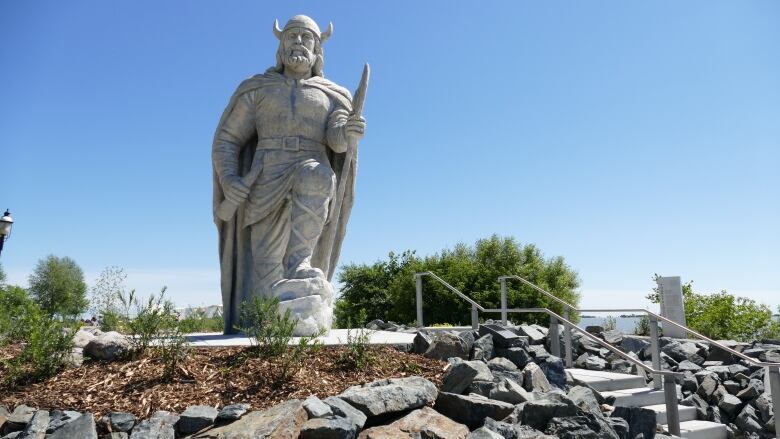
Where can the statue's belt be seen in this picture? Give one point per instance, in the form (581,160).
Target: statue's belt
(294,143)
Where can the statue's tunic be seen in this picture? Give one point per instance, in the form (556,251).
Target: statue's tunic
(297,127)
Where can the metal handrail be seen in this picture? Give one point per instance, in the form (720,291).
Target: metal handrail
(451,288)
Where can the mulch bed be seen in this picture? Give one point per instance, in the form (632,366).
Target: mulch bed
(209,376)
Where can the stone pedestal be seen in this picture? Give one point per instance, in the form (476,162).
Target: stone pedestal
(309,300)
(672,307)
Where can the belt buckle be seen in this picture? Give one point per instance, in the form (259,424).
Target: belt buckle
(291,144)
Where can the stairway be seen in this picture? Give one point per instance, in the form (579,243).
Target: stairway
(631,391)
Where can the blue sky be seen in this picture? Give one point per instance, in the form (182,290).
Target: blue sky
(629,137)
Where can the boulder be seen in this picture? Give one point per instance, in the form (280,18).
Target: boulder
(620,426)
(518,356)
(554,370)
(82,337)
(315,408)
(58,418)
(534,379)
(471,409)
(635,344)
(586,399)
(469,336)
(425,422)
(509,391)
(161,425)
(447,345)
(683,351)
(19,418)
(613,337)
(538,413)
(196,418)
(764,407)
(330,427)
(697,402)
(640,420)
(534,336)
(501,364)
(391,395)
(594,329)
(119,421)
(502,337)
(537,352)
(581,427)
(282,421)
(458,377)
(752,391)
(484,433)
(82,427)
(342,409)
(108,346)
(483,348)
(730,404)
(708,388)
(232,412)
(688,366)
(117,435)
(421,343)
(747,420)
(36,428)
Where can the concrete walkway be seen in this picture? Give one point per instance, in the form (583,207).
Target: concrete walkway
(335,337)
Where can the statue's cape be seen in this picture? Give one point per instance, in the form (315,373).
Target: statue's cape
(235,252)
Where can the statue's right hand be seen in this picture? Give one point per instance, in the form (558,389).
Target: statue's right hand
(235,189)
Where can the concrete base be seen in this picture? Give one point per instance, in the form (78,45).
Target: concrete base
(334,338)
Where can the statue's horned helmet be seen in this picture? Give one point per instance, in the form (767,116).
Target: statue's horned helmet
(304,22)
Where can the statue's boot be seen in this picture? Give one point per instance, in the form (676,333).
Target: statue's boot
(309,213)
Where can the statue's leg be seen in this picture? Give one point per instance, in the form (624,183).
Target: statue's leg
(269,241)
(312,191)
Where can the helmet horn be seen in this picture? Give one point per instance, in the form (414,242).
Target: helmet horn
(325,35)
(277,31)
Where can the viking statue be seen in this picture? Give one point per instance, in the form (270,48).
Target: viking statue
(284,157)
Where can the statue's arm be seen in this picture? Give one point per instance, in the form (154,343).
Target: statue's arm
(235,131)
(335,133)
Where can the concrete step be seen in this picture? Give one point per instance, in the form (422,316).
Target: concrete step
(702,430)
(686,413)
(636,397)
(607,381)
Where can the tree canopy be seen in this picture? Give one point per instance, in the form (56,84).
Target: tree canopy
(57,285)
(386,289)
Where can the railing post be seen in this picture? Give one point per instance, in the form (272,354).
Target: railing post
(503,300)
(474,317)
(567,337)
(418,281)
(655,349)
(774,388)
(555,340)
(672,410)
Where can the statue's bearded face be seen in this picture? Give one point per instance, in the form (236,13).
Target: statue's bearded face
(298,49)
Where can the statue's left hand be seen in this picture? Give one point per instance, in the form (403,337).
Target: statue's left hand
(355,128)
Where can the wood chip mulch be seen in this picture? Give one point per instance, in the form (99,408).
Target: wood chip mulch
(209,376)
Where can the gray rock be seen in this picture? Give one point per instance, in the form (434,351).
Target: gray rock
(196,418)
(503,338)
(108,346)
(161,425)
(713,414)
(82,337)
(509,391)
(730,404)
(82,427)
(690,383)
(708,387)
(688,366)
(483,348)
(232,412)
(345,410)
(283,420)
(635,344)
(471,410)
(501,364)
(421,343)
(732,387)
(593,362)
(683,351)
(620,426)
(482,387)
(747,420)
(423,423)
(460,375)
(538,413)
(502,429)
(534,336)
(36,428)
(581,427)
(447,345)
(331,427)
(753,389)
(117,435)
(484,433)
(613,337)
(554,370)
(534,379)
(585,398)
(537,352)
(469,336)
(518,356)
(119,421)
(640,420)
(19,418)
(594,329)
(764,407)
(697,402)
(316,408)
(58,418)
(390,395)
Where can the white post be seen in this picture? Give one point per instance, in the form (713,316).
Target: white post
(503,300)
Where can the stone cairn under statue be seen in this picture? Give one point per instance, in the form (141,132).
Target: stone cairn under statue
(284,156)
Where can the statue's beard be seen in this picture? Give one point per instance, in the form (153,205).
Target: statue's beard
(298,56)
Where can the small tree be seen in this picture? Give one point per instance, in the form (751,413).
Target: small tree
(57,285)
(109,285)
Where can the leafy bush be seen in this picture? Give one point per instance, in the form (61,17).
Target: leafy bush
(153,319)
(610,323)
(386,289)
(723,316)
(16,308)
(271,333)
(642,326)
(198,321)
(57,285)
(173,348)
(357,353)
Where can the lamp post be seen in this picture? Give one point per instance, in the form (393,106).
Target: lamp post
(6,222)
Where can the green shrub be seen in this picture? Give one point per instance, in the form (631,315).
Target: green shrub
(357,354)
(153,318)
(172,347)
(642,326)
(57,285)
(610,323)
(386,289)
(198,321)
(16,307)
